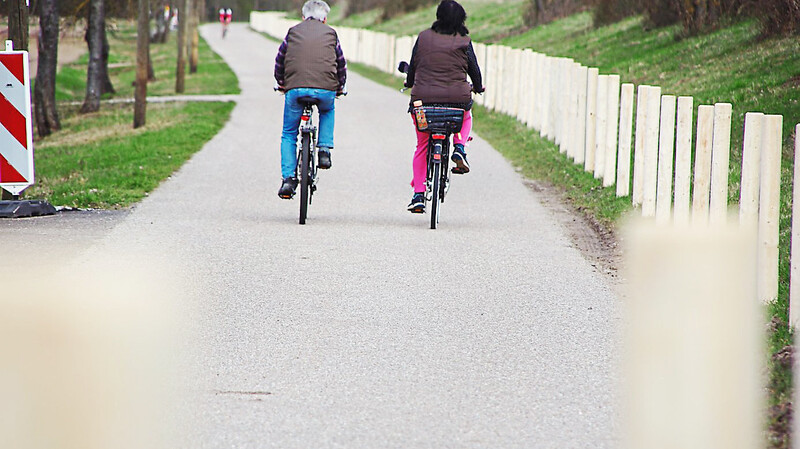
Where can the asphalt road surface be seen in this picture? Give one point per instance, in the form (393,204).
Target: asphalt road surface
(364,328)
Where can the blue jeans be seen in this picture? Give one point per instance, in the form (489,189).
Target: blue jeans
(292,110)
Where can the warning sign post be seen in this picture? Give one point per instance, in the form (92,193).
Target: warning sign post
(16,130)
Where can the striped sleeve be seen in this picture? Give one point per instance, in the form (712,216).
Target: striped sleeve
(280,67)
(341,66)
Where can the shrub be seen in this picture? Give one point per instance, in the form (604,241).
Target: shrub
(777,17)
(611,11)
(398,7)
(538,12)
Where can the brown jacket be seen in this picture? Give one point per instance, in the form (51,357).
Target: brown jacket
(440,68)
(311,56)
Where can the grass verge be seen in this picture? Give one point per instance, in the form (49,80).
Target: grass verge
(98,160)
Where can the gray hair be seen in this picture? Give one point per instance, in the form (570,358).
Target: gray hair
(316,9)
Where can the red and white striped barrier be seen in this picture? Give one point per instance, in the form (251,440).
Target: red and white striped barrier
(16,132)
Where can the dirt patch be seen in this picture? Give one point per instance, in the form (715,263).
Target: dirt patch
(792,82)
(597,243)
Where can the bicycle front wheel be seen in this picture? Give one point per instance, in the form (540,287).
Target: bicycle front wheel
(305,176)
(436,194)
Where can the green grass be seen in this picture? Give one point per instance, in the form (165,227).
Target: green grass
(213,76)
(486,19)
(98,160)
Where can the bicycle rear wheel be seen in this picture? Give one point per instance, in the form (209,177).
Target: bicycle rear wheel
(305,176)
(436,194)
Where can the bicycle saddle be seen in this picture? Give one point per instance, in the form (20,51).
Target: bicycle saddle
(304,100)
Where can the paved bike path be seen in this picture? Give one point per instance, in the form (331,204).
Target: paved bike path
(364,328)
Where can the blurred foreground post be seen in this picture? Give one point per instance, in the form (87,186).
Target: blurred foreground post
(694,340)
(91,365)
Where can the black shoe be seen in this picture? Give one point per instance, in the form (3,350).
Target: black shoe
(324,159)
(459,157)
(417,204)
(287,188)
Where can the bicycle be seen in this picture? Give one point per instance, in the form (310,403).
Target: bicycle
(306,170)
(440,123)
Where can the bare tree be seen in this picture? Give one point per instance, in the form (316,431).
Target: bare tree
(142,64)
(44,92)
(94,37)
(180,72)
(18,23)
(106,86)
(194,54)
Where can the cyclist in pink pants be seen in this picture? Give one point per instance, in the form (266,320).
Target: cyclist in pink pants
(420,164)
(442,59)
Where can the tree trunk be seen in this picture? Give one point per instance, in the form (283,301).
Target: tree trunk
(106,87)
(94,37)
(151,74)
(194,55)
(44,92)
(18,33)
(142,63)
(161,25)
(700,15)
(180,72)
(18,24)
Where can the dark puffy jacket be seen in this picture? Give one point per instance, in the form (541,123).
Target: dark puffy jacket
(439,67)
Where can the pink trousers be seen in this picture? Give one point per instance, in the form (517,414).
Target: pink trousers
(420,163)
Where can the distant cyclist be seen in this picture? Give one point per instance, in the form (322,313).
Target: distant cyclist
(310,63)
(225,17)
(440,62)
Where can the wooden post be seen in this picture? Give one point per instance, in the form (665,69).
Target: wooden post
(554,97)
(524,92)
(539,111)
(702,164)
(651,131)
(683,161)
(751,168)
(602,127)
(573,121)
(532,89)
(720,163)
(564,117)
(514,89)
(580,119)
(694,341)
(769,208)
(612,118)
(558,103)
(491,76)
(638,149)
(666,145)
(544,110)
(625,131)
(591,119)
(794,289)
